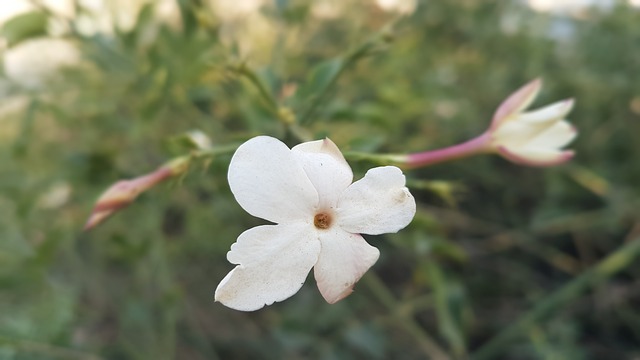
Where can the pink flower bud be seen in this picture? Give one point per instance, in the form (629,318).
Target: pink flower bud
(534,138)
(124,192)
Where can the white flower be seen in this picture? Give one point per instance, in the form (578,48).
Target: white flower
(33,62)
(534,137)
(404,7)
(318,214)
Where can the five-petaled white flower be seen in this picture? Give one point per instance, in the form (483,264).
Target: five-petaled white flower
(535,137)
(318,214)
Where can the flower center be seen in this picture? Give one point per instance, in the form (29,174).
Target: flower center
(322,220)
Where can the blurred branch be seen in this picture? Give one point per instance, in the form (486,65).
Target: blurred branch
(350,58)
(47,350)
(609,266)
(69,21)
(215,151)
(450,328)
(499,238)
(253,78)
(426,342)
(589,179)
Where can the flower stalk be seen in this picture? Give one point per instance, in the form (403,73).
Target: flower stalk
(475,146)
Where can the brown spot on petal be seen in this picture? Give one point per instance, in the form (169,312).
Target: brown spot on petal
(401,196)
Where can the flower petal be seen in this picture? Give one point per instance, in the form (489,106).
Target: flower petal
(536,156)
(344,258)
(555,137)
(269,183)
(555,111)
(517,134)
(327,169)
(273,262)
(376,204)
(517,101)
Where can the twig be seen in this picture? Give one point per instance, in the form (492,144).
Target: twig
(426,342)
(266,95)
(606,268)
(350,58)
(50,351)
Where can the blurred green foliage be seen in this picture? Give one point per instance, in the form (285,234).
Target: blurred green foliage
(490,242)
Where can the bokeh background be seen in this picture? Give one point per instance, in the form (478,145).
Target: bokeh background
(96,91)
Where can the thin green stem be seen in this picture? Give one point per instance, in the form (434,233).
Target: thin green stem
(169,318)
(348,59)
(253,78)
(214,151)
(426,342)
(606,268)
(379,159)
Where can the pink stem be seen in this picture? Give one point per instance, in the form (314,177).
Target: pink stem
(474,146)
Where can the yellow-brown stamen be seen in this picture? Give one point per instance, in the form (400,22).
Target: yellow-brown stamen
(322,221)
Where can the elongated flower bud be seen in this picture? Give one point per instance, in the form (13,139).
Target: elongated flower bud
(533,138)
(124,192)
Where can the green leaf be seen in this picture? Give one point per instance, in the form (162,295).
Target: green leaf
(24,26)
(320,78)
